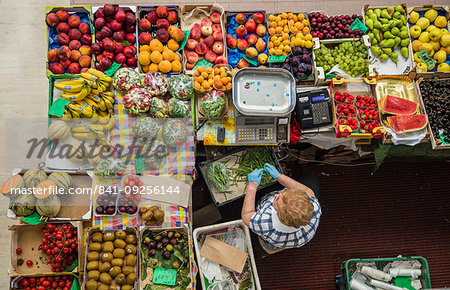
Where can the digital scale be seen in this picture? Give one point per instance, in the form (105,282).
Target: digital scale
(264,100)
(313,107)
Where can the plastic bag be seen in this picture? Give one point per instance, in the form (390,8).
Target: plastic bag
(126,79)
(136,101)
(178,109)
(181,87)
(145,129)
(158,108)
(174,133)
(156,83)
(236,238)
(217,176)
(155,155)
(213,104)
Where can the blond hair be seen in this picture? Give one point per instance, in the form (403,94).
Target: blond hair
(296,210)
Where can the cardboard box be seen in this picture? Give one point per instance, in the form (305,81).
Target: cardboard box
(15,281)
(83,9)
(191,14)
(28,238)
(142,229)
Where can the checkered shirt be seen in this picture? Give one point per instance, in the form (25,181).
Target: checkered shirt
(261,224)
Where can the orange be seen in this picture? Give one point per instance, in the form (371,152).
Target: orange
(153,67)
(156,45)
(165,66)
(144,58)
(200,69)
(223,75)
(299,25)
(210,81)
(168,55)
(145,48)
(278,29)
(305,29)
(176,66)
(156,57)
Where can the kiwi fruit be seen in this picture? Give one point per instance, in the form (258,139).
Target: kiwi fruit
(131,249)
(153,208)
(130,231)
(121,235)
(104,267)
(114,271)
(118,243)
(97,247)
(107,257)
(105,278)
(131,239)
(130,260)
(117,262)
(93,275)
(119,253)
(97,237)
(108,247)
(91,285)
(120,279)
(93,265)
(131,278)
(103,287)
(127,270)
(126,287)
(93,256)
(109,236)
(146,216)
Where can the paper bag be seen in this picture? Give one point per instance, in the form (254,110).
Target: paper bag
(224,254)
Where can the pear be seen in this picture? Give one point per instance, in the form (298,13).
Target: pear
(384,20)
(384,57)
(373,17)
(377,24)
(405,52)
(374,41)
(397,41)
(404,34)
(403,19)
(376,33)
(382,42)
(389,43)
(388,35)
(375,50)
(404,28)
(390,10)
(399,8)
(398,23)
(369,23)
(404,42)
(394,57)
(369,12)
(395,31)
(377,12)
(387,50)
(385,14)
(397,15)
(391,24)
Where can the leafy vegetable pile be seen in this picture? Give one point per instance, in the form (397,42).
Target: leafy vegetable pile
(217,176)
(110,166)
(213,104)
(178,109)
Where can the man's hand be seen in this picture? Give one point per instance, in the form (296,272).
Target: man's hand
(271,170)
(255,176)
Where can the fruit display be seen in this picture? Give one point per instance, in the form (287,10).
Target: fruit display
(126,79)
(205,41)
(60,244)
(111,259)
(407,123)
(169,249)
(156,84)
(299,64)
(158,108)
(115,37)
(181,87)
(105,203)
(178,108)
(174,133)
(203,79)
(247,39)
(348,56)
(44,282)
(213,104)
(69,41)
(429,31)
(436,99)
(89,95)
(388,33)
(137,101)
(159,39)
(397,106)
(333,27)
(280,44)
(151,216)
(288,22)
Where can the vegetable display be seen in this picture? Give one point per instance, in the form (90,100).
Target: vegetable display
(213,104)
(158,108)
(178,109)
(174,133)
(181,87)
(145,129)
(156,83)
(126,79)
(137,101)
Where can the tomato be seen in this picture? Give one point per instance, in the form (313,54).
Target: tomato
(29,263)
(41,288)
(61,284)
(54,285)
(46,283)
(69,235)
(24,283)
(32,280)
(68,283)
(66,243)
(19,251)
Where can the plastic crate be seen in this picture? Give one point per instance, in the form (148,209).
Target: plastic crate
(348,268)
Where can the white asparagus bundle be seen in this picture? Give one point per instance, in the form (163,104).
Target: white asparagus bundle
(358,285)
(414,273)
(384,285)
(376,274)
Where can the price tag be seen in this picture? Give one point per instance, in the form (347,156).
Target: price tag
(251,61)
(112,69)
(33,219)
(426,58)
(73,266)
(164,276)
(58,107)
(358,25)
(139,165)
(185,39)
(277,58)
(203,63)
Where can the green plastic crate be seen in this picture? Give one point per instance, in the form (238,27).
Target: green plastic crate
(348,268)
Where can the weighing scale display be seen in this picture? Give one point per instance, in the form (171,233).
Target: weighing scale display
(318,98)
(258,121)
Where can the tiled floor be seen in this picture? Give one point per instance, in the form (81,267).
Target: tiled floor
(25,86)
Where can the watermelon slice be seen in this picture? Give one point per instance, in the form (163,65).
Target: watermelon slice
(398,106)
(407,123)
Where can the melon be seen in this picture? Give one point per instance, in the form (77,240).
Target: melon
(76,152)
(397,106)
(61,179)
(23,205)
(33,177)
(407,123)
(15,181)
(44,189)
(58,131)
(48,207)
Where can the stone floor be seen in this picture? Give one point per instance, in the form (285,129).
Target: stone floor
(25,86)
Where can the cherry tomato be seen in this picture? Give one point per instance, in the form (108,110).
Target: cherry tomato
(32,280)
(29,263)
(19,251)
(54,285)
(41,288)
(24,283)
(61,284)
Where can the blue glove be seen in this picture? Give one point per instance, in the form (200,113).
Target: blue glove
(255,176)
(271,170)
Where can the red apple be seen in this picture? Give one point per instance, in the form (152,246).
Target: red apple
(210,56)
(240,18)
(218,47)
(130,38)
(215,17)
(191,44)
(221,60)
(206,22)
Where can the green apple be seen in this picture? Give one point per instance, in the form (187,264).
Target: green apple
(440,56)
(415,31)
(440,22)
(435,34)
(423,23)
(443,67)
(422,66)
(424,37)
(413,17)
(431,15)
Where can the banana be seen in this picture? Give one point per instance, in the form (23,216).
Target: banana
(101,86)
(74,113)
(108,104)
(94,86)
(110,124)
(88,136)
(109,94)
(91,103)
(103,116)
(79,96)
(96,91)
(108,97)
(70,88)
(94,98)
(87,129)
(102,105)
(108,79)
(101,75)
(75,108)
(89,76)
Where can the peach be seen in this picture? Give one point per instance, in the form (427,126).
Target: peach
(129,18)
(132,62)
(191,57)
(145,38)
(56,68)
(252,38)
(156,45)
(210,56)
(120,16)
(129,51)
(99,23)
(261,30)
(115,25)
(86,39)
(162,11)
(131,38)
(106,31)
(74,34)
(75,55)
(195,33)
(173,45)
(152,17)
(190,66)
(171,29)
(242,44)
(52,55)
(178,35)
(241,31)
(62,15)
(240,18)
(172,17)
(162,35)
(85,50)
(221,60)
(65,63)
(191,44)
(84,28)
(201,48)
(258,17)
(120,58)
(250,25)
(119,36)
(108,9)
(63,28)
(144,24)
(52,19)
(74,68)
(109,46)
(62,39)
(105,62)
(64,52)
(74,21)
(162,23)
(209,40)
(231,41)
(85,61)
(218,47)
(165,66)
(74,45)
(215,17)
(119,48)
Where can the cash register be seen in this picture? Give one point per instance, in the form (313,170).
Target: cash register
(313,107)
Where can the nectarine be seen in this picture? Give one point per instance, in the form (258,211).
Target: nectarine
(74,21)
(74,68)
(56,68)
(64,52)
(52,55)
(62,15)
(84,27)
(85,50)
(74,45)
(52,19)
(75,55)
(85,61)
(63,27)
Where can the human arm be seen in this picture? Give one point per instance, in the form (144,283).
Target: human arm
(248,208)
(286,181)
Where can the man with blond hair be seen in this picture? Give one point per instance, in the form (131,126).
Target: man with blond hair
(284,219)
